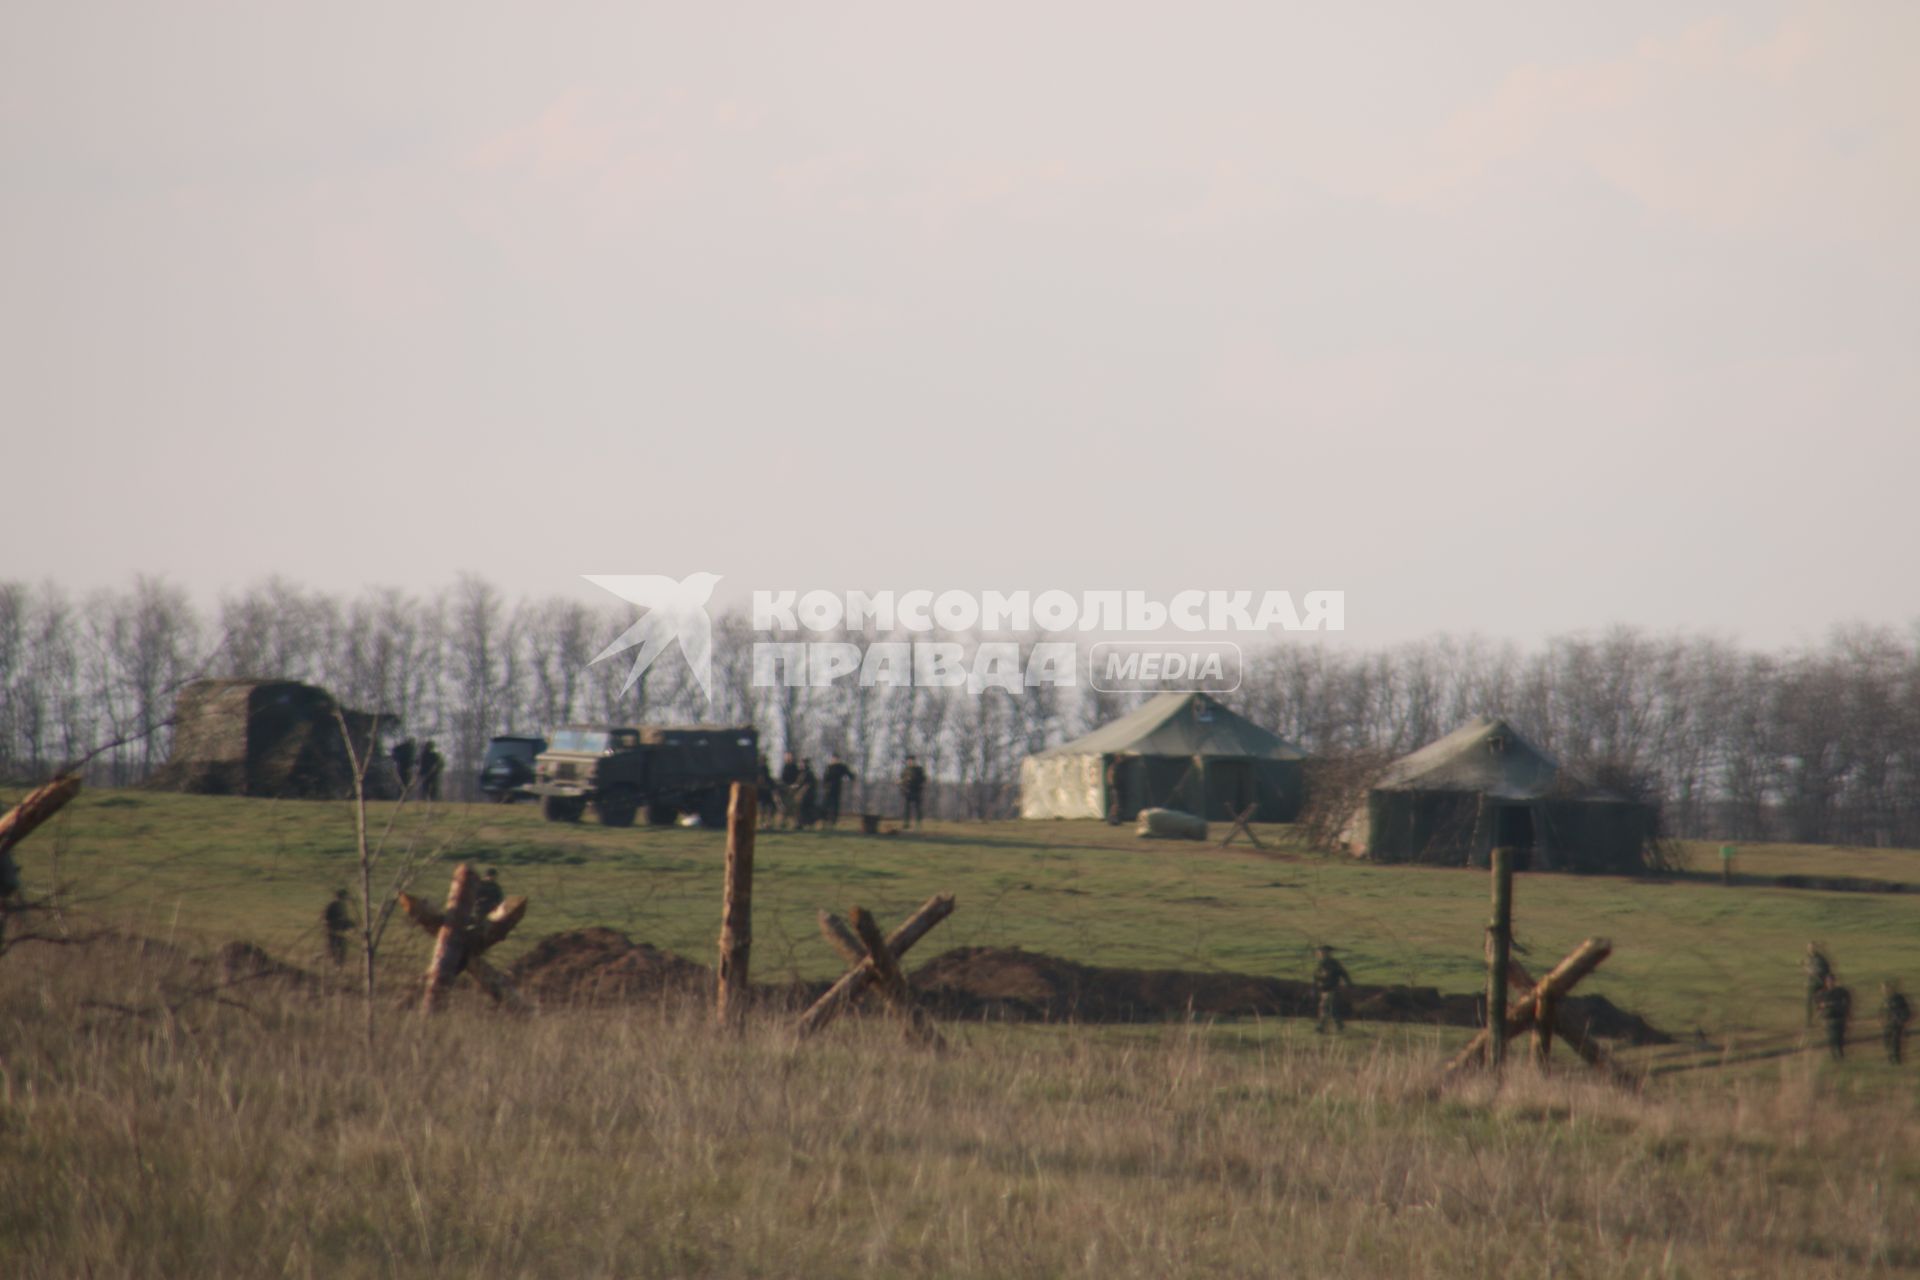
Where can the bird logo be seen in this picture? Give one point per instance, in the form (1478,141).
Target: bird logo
(674,611)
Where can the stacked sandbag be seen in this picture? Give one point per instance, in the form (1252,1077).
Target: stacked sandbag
(1170,824)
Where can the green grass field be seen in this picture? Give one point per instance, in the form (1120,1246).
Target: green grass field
(1688,954)
(155,1123)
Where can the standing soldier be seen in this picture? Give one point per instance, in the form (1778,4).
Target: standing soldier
(403,762)
(337,920)
(763,795)
(488,894)
(1330,980)
(1836,1005)
(809,789)
(1818,969)
(1116,791)
(789,794)
(430,766)
(1895,1014)
(913,787)
(836,777)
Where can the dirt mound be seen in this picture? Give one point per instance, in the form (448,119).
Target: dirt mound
(1602,1017)
(239,962)
(1026,986)
(1415,1004)
(1009,983)
(602,966)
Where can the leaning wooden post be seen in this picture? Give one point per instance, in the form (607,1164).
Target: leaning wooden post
(736,904)
(1580,962)
(474,942)
(1567,1028)
(893,983)
(40,804)
(450,945)
(1545,1017)
(857,979)
(1499,944)
(842,939)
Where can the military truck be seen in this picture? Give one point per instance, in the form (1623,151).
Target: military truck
(660,770)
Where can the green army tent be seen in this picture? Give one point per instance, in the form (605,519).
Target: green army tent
(1181,751)
(1484,785)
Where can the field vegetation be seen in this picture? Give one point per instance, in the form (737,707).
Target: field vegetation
(157,1119)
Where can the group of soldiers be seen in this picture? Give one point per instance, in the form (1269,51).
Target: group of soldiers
(1826,998)
(424,763)
(799,799)
(337,920)
(1833,1003)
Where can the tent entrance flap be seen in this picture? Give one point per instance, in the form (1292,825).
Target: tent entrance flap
(1230,788)
(1513,829)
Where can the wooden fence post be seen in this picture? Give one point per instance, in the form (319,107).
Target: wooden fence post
(1499,944)
(736,906)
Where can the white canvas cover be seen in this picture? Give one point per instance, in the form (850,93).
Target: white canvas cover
(1053,786)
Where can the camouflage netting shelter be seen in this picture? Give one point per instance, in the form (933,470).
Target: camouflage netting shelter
(1180,751)
(268,738)
(1483,785)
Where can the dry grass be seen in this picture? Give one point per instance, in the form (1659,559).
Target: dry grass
(255,1138)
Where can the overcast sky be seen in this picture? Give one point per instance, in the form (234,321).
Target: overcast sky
(1512,318)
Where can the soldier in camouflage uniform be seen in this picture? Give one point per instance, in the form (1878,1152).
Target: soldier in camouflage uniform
(1330,981)
(913,786)
(837,776)
(1895,1014)
(488,894)
(1818,969)
(789,790)
(337,920)
(1836,1006)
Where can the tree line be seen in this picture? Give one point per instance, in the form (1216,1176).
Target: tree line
(1819,744)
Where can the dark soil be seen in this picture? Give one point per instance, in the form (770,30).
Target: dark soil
(1025,986)
(604,966)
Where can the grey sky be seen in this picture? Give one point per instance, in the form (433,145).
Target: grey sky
(1500,317)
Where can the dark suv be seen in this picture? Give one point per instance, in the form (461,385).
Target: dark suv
(508,769)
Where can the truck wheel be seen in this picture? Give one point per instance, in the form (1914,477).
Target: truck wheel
(561,809)
(713,809)
(617,810)
(661,815)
